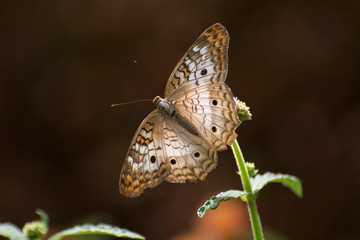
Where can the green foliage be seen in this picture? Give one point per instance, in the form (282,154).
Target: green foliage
(243,111)
(292,182)
(36,230)
(98,229)
(252,183)
(251,169)
(44,218)
(251,180)
(257,181)
(214,201)
(11,231)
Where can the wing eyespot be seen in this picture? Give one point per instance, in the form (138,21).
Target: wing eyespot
(173,161)
(214,102)
(196,154)
(214,129)
(152,159)
(203,72)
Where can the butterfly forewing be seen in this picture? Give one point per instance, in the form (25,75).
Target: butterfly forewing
(205,61)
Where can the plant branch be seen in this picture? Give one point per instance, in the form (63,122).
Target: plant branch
(251,203)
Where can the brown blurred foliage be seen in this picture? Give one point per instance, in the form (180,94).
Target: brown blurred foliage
(62,63)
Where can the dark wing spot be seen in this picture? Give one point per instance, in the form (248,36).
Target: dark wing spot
(203,72)
(196,154)
(152,159)
(214,102)
(213,129)
(172,161)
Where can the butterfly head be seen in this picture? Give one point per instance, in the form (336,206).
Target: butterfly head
(164,106)
(156,100)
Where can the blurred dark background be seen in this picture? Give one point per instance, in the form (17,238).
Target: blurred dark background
(295,63)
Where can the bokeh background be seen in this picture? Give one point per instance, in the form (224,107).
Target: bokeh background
(295,63)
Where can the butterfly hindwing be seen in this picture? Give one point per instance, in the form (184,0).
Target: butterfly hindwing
(212,109)
(189,156)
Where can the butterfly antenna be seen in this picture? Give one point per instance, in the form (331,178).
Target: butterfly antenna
(138,69)
(136,101)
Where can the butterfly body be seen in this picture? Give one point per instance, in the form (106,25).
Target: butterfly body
(179,140)
(167,110)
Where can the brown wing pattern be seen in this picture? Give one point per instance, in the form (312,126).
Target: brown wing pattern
(164,149)
(145,163)
(212,109)
(190,157)
(206,60)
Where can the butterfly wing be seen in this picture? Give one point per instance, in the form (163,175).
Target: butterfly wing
(211,109)
(163,149)
(189,156)
(145,163)
(206,61)
(198,91)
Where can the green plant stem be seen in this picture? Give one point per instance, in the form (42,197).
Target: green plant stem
(251,203)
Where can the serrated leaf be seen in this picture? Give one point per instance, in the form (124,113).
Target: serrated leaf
(214,201)
(292,182)
(97,229)
(11,231)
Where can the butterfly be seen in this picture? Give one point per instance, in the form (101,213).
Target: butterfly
(196,118)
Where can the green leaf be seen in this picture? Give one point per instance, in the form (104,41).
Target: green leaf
(214,201)
(36,230)
(292,182)
(98,229)
(11,231)
(43,216)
